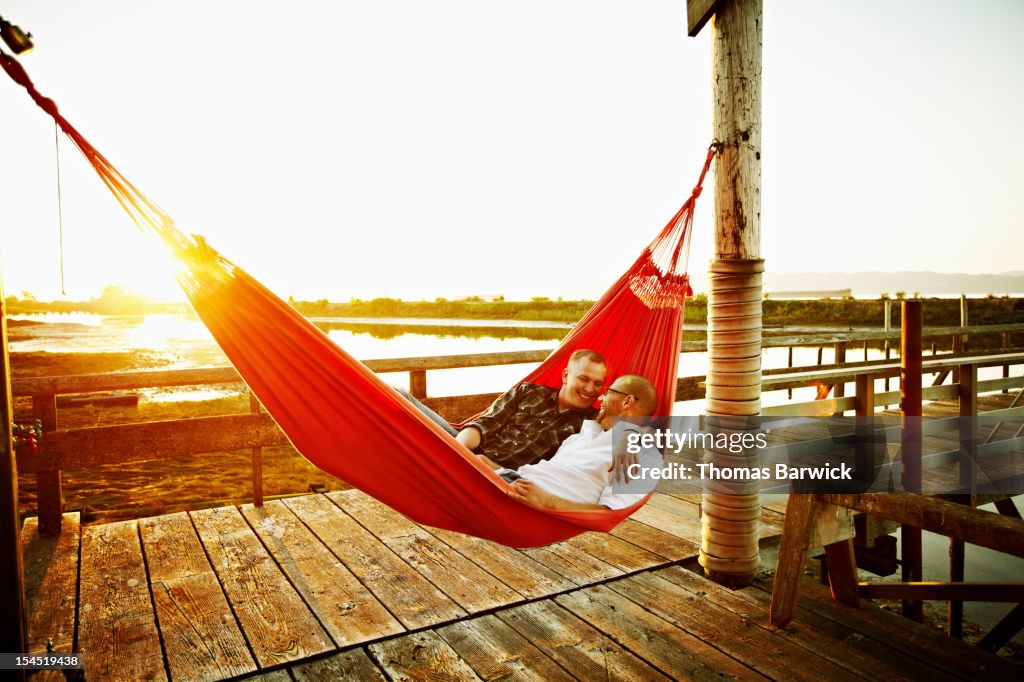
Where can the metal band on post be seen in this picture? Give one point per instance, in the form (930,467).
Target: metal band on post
(731,508)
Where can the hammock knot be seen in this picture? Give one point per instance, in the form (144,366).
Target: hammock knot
(697,190)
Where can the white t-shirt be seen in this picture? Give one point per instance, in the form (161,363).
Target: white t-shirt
(579,470)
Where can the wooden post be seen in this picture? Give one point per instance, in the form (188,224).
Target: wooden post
(888,328)
(789,391)
(49,493)
(966,466)
(839,390)
(734,332)
(910,406)
(257,458)
(418,383)
(864,468)
(1006,368)
(963,321)
(13,633)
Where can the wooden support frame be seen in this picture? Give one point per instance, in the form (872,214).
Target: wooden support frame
(802,511)
(698,14)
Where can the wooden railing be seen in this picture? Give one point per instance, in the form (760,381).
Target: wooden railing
(88,447)
(955,516)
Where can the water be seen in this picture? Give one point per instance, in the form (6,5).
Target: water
(182,342)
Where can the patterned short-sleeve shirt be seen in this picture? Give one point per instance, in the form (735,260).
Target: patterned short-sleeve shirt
(525,426)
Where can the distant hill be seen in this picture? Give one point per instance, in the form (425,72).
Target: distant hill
(874,283)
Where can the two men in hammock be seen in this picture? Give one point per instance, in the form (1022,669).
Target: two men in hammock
(526,427)
(579,475)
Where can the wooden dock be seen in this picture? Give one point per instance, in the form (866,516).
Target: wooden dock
(333,586)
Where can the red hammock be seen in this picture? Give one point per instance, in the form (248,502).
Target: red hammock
(347,422)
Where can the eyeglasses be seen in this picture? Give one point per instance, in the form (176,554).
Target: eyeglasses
(622,393)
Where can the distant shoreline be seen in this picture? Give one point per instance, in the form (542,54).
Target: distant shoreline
(777,312)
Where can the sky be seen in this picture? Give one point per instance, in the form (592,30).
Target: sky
(359,148)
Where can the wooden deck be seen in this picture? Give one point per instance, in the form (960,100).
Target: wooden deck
(327,586)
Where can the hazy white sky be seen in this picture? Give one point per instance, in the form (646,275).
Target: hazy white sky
(416,148)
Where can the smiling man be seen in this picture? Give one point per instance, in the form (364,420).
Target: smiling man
(529,422)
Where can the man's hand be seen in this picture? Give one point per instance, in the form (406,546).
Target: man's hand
(532,494)
(622,459)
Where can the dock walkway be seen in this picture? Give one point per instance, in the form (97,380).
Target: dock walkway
(335,585)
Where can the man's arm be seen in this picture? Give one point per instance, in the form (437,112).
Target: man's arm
(469,436)
(535,496)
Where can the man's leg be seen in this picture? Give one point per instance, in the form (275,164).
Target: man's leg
(427,411)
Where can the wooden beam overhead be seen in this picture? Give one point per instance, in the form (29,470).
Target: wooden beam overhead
(698,13)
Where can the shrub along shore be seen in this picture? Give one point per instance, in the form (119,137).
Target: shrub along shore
(938,312)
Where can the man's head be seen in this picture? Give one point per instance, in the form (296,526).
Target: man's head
(628,396)
(582,380)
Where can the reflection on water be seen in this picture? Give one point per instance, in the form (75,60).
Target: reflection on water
(182,342)
(387,331)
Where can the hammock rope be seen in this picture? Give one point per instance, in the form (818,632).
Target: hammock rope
(349,423)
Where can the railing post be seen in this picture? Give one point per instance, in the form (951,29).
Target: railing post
(839,390)
(789,363)
(865,409)
(888,328)
(257,458)
(49,491)
(418,383)
(910,406)
(968,434)
(1006,368)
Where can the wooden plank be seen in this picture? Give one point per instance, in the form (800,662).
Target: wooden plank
(51,584)
(913,639)
(201,637)
(699,13)
(975,526)
(117,626)
(277,624)
(858,654)
(573,563)
(842,572)
(473,588)
(623,555)
(796,539)
(735,635)
(348,665)
(586,653)
(410,597)
(420,656)
(658,541)
(526,576)
(670,650)
(347,610)
(496,651)
(686,526)
(99,445)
